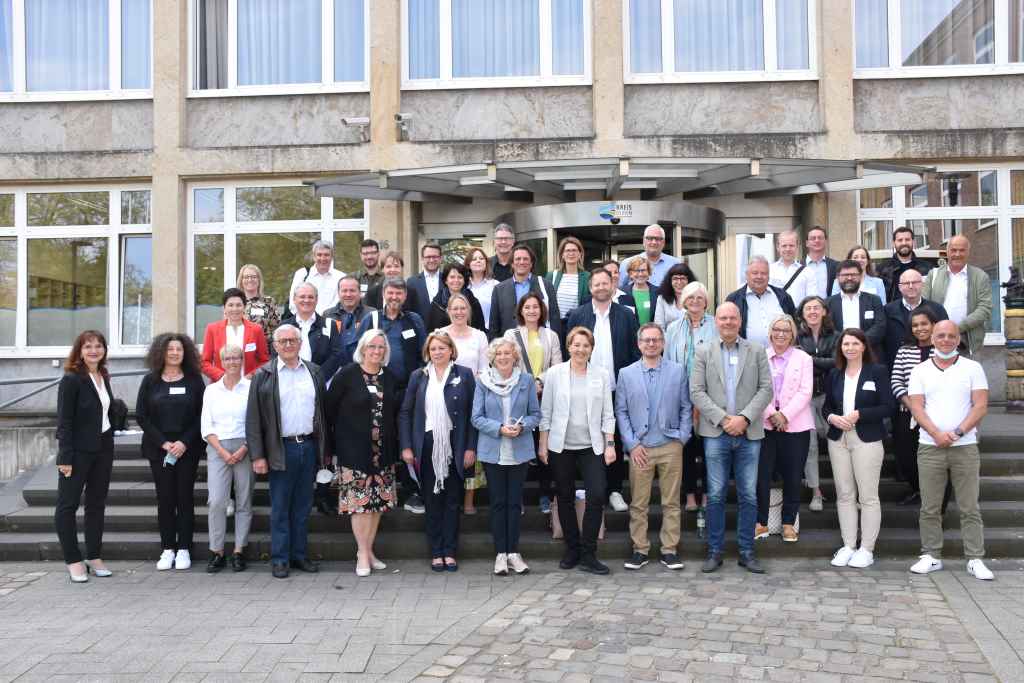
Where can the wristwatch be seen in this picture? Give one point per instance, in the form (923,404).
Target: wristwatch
(609,443)
(959,432)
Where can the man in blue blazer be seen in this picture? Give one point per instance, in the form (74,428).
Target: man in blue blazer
(654,416)
(423,286)
(322,342)
(854,308)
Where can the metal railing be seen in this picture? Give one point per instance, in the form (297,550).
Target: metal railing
(50,382)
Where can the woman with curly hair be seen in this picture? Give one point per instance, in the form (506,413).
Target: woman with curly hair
(169,409)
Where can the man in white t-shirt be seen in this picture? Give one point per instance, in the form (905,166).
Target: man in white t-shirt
(948,398)
(322,275)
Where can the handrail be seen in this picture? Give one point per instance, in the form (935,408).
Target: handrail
(51,382)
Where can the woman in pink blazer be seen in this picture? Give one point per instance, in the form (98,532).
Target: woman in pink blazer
(788,424)
(253,342)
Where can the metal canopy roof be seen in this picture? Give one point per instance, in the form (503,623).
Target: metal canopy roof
(656,177)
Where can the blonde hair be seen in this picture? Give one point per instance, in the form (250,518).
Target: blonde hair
(576,331)
(492,349)
(259,274)
(788,319)
(231,348)
(444,338)
(693,289)
(365,339)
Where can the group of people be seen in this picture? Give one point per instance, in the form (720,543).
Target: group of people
(429,388)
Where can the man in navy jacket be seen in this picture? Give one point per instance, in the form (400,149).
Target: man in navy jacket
(320,337)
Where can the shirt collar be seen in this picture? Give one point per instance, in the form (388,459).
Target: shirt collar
(852,297)
(281,365)
(656,368)
(767,290)
(305,323)
(785,355)
(812,262)
(598,313)
(962,273)
(908,306)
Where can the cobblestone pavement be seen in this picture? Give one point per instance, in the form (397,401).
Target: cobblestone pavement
(800,622)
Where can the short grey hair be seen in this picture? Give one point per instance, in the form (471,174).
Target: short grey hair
(757,258)
(693,289)
(316,292)
(230,348)
(318,245)
(366,338)
(650,326)
(285,327)
(654,226)
(504,227)
(394,283)
(492,349)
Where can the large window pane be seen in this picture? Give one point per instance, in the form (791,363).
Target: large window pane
(1016,188)
(349,27)
(345,209)
(346,251)
(135,207)
(645,36)
(1016,31)
(719,35)
(791,34)
(6,210)
(6,46)
(495,38)
(424,39)
(209,281)
(877,198)
(289,203)
(209,205)
(211,44)
(137,289)
(876,234)
(1018,244)
(872,33)
(278,255)
(959,188)
(135,40)
(67,289)
(8,290)
(567,37)
(938,32)
(278,41)
(921,237)
(66,45)
(68,208)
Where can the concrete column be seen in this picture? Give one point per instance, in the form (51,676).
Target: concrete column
(609,92)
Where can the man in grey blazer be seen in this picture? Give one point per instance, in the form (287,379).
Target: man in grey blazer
(731,385)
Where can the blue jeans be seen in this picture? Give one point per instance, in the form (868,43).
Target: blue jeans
(739,455)
(291,497)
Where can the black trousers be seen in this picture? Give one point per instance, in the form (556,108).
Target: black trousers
(442,508)
(695,473)
(615,473)
(904,444)
(505,487)
(591,465)
(175,498)
(91,472)
(786,453)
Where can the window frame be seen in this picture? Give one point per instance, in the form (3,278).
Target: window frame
(114,232)
(1001,50)
(446,81)
(771,72)
(999,218)
(19,64)
(230,229)
(326,84)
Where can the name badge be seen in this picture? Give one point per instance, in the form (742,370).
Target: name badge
(372,389)
(734,360)
(363,288)
(869,315)
(251,346)
(647,304)
(256,313)
(176,391)
(869,386)
(408,334)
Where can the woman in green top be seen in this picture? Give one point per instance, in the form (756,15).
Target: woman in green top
(643,294)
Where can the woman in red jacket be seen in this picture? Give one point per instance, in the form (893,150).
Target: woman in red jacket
(248,336)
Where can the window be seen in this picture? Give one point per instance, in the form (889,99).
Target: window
(75,49)
(913,38)
(973,188)
(6,210)
(272,225)
(719,40)
(495,43)
(8,290)
(279,46)
(136,289)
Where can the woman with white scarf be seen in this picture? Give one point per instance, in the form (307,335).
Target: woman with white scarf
(505,412)
(439,440)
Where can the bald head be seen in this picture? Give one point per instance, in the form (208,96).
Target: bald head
(727,320)
(945,336)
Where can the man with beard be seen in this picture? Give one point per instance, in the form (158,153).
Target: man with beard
(371,274)
(903,259)
(852,308)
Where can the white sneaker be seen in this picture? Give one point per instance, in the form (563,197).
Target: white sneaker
(861,559)
(842,557)
(230,508)
(501,565)
(166,560)
(617,502)
(978,570)
(182,560)
(816,504)
(926,565)
(518,565)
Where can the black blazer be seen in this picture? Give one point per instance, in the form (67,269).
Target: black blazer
(328,351)
(623,326)
(739,297)
(349,420)
(872,319)
(897,325)
(165,417)
(439,311)
(418,299)
(874,405)
(503,306)
(79,416)
(458,398)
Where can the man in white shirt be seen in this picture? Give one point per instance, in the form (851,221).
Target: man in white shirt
(965,291)
(948,398)
(819,270)
(783,270)
(659,263)
(322,275)
(853,308)
(425,284)
(759,302)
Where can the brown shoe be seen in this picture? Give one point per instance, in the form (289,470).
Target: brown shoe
(789,534)
(760,531)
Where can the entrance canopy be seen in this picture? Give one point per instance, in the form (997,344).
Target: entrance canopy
(654,177)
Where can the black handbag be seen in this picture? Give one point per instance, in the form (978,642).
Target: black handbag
(118,415)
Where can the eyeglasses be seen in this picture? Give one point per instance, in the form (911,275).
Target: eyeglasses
(654,239)
(781,330)
(650,340)
(912,283)
(250,277)
(233,359)
(287,342)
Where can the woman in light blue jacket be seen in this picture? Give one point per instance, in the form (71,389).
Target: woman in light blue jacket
(505,413)
(870,284)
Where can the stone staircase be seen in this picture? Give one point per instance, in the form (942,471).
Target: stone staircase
(131,527)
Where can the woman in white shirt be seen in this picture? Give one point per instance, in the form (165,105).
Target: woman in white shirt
(481,282)
(227,459)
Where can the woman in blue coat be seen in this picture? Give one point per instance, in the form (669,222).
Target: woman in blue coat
(505,413)
(439,440)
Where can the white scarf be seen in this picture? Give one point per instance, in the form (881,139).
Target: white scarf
(502,387)
(436,418)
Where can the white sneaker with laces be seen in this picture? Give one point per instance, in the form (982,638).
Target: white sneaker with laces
(816,504)
(518,565)
(842,557)
(501,565)
(978,570)
(183,560)
(166,560)
(617,502)
(926,565)
(861,559)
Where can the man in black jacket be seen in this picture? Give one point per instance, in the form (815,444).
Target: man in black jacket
(321,341)
(501,262)
(506,295)
(899,310)
(903,259)
(852,307)
(759,302)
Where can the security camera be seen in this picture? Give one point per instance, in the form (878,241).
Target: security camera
(356,120)
(615,220)
(402,118)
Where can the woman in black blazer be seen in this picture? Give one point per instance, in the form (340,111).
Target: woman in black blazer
(438,438)
(85,454)
(169,409)
(858,398)
(362,430)
(454,277)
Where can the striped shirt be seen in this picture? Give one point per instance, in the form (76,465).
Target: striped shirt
(907,358)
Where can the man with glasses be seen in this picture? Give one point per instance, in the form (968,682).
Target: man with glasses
(322,275)
(506,295)
(424,285)
(898,312)
(501,262)
(659,263)
(321,340)
(654,416)
(852,308)
(903,259)
(819,271)
(371,274)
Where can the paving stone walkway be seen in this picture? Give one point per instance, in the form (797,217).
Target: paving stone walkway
(801,622)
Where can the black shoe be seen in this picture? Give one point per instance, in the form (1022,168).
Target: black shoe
(569,560)
(238,563)
(711,563)
(751,563)
(913,499)
(325,508)
(592,565)
(216,563)
(280,571)
(636,562)
(414,504)
(672,561)
(304,565)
